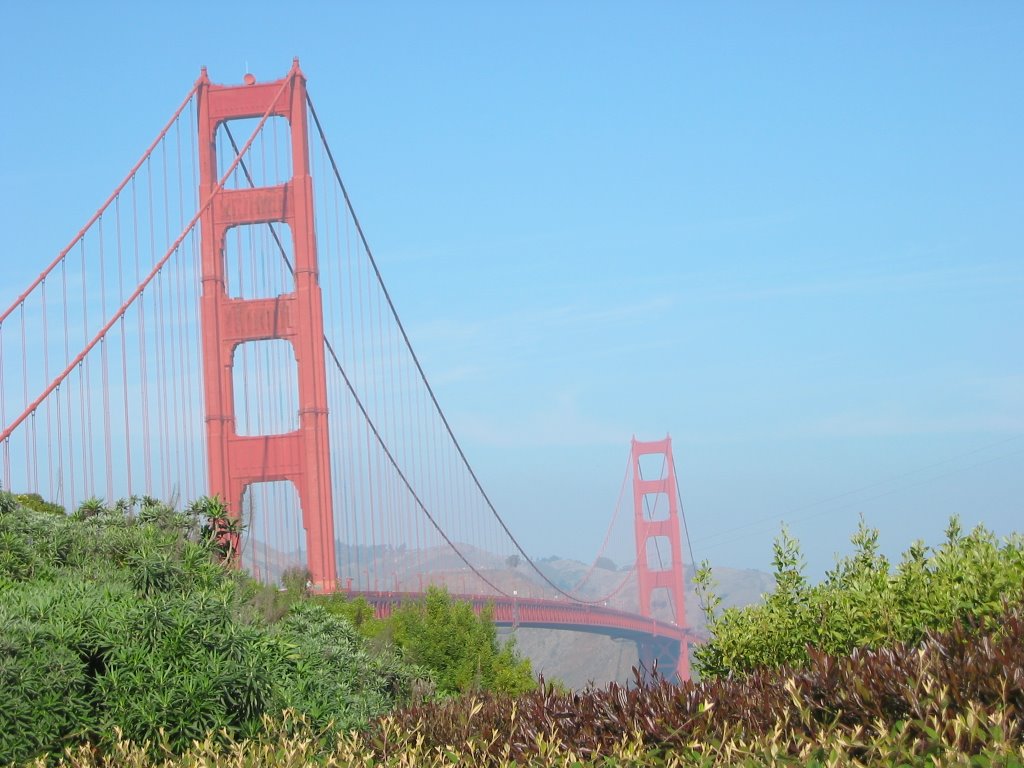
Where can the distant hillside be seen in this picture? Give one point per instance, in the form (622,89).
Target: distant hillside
(575,658)
(578,658)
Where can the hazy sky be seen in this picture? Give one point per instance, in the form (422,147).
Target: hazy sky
(789,234)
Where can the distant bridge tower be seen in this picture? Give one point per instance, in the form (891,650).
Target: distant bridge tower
(303,455)
(659,553)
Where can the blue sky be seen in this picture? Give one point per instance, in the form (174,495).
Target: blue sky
(790,235)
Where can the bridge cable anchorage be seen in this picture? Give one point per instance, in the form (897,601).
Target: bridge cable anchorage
(140,288)
(423,376)
(351,388)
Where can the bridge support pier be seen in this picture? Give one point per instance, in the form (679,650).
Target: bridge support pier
(671,659)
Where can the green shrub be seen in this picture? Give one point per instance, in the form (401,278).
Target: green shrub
(330,676)
(863,602)
(36,502)
(459,648)
(122,621)
(954,700)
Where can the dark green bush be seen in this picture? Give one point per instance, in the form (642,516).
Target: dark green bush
(122,620)
(331,677)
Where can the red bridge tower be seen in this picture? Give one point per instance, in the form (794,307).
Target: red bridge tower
(659,553)
(303,455)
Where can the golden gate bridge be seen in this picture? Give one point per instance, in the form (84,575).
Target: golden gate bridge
(220,327)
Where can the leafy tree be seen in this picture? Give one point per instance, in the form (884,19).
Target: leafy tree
(459,648)
(221,531)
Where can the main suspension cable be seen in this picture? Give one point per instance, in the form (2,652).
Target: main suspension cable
(358,400)
(423,375)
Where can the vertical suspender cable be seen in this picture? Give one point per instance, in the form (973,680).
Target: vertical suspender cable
(124,352)
(46,377)
(3,413)
(104,378)
(83,379)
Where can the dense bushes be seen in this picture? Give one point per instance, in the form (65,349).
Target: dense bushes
(863,602)
(125,620)
(958,692)
(957,699)
(121,620)
(331,677)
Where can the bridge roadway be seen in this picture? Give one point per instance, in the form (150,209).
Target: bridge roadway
(657,641)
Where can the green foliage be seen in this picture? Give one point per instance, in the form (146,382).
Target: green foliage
(125,620)
(955,700)
(125,640)
(357,611)
(36,502)
(460,649)
(863,601)
(957,694)
(329,674)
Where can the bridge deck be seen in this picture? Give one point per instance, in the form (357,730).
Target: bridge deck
(547,614)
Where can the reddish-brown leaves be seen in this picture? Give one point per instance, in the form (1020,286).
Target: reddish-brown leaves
(919,690)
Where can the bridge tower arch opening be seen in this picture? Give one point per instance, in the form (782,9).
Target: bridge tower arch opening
(659,553)
(301,456)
